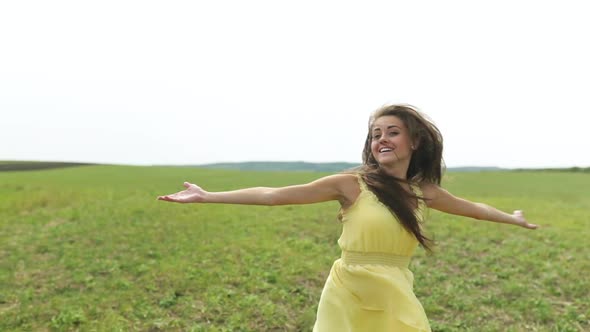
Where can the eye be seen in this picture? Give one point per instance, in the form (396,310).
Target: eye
(376,136)
(393,133)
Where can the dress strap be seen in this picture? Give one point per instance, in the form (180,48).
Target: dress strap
(416,189)
(418,192)
(361,182)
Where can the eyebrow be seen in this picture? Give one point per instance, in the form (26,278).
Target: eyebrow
(388,127)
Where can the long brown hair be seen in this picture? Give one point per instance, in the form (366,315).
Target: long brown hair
(426,166)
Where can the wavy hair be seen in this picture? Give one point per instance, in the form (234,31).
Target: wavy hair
(426,166)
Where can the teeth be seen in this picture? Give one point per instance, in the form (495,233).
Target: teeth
(384,150)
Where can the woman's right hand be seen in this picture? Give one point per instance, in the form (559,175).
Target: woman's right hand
(521,220)
(192,194)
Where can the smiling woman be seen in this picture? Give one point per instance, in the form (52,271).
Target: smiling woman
(370,288)
(410,147)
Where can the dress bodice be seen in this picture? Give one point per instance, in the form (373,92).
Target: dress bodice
(369,226)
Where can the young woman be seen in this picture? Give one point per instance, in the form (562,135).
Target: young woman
(370,288)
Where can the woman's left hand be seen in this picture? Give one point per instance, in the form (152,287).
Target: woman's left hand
(192,194)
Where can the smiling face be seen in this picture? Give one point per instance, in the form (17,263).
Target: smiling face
(390,141)
(392,131)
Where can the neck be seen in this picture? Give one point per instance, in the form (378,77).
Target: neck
(397,170)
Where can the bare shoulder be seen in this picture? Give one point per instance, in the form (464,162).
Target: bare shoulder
(430,191)
(344,181)
(339,181)
(348,185)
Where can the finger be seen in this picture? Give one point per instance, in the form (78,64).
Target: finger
(172,198)
(186,185)
(518,212)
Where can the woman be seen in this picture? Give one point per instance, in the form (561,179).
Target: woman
(370,288)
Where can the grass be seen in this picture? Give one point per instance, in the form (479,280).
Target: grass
(90,249)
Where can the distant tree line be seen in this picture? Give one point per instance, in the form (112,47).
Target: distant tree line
(284,166)
(35,165)
(569,169)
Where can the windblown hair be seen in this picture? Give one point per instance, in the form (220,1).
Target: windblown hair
(426,166)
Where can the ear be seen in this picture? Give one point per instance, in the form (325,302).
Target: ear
(415,144)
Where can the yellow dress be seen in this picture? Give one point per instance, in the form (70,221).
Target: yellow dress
(370,288)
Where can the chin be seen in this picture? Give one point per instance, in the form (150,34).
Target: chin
(386,162)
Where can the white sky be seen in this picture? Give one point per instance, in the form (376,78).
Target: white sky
(190,82)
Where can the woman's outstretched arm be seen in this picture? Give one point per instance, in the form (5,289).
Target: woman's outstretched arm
(324,189)
(442,200)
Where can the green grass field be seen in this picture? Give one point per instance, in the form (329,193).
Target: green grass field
(90,249)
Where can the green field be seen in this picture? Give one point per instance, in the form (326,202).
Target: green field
(91,249)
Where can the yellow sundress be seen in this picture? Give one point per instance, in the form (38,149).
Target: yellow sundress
(370,288)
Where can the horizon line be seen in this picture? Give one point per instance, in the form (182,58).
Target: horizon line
(264,161)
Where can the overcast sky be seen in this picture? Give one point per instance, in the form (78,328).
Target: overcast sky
(191,82)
